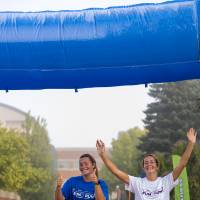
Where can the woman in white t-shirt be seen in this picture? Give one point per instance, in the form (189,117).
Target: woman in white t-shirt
(150,187)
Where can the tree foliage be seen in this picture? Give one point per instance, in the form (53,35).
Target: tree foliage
(26,161)
(14,160)
(41,159)
(174,111)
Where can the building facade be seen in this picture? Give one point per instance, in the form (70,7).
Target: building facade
(8,195)
(68,160)
(11,117)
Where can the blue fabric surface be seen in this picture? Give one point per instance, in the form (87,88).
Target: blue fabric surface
(136,44)
(76,189)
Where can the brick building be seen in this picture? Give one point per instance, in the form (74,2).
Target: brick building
(68,160)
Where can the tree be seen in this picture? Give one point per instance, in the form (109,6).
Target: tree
(26,161)
(124,154)
(41,159)
(14,160)
(174,111)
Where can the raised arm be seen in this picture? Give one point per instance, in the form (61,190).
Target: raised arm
(191,135)
(99,195)
(109,164)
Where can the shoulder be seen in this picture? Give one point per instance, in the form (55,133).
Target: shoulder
(72,180)
(76,178)
(136,178)
(134,182)
(167,176)
(102,182)
(104,187)
(169,180)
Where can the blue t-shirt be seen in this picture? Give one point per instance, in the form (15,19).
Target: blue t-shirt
(76,188)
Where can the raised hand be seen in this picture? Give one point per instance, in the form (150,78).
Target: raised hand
(59,181)
(191,135)
(100,147)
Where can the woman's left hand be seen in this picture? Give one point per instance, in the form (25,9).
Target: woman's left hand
(191,135)
(94,177)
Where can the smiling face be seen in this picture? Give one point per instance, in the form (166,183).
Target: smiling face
(85,166)
(150,165)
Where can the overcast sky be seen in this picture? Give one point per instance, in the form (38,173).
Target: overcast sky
(78,119)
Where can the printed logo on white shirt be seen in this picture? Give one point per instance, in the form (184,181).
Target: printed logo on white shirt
(152,194)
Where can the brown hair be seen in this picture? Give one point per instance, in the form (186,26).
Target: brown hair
(93,161)
(155,158)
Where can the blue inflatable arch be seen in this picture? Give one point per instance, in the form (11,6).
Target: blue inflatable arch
(139,44)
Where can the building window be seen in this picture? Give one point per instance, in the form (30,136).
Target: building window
(67,164)
(14,124)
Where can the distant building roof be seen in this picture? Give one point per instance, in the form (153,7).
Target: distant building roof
(13,108)
(11,117)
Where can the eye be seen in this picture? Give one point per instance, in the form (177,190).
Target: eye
(151,162)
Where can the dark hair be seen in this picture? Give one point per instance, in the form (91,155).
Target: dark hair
(155,158)
(93,161)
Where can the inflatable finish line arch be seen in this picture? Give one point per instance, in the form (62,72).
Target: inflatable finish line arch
(138,44)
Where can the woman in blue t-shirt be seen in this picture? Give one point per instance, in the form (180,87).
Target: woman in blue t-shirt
(87,186)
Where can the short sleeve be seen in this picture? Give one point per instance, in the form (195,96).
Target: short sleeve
(104,188)
(66,189)
(132,184)
(170,181)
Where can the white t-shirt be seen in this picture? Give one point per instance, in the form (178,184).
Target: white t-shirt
(151,190)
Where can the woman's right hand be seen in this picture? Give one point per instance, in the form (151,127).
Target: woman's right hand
(100,147)
(109,164)
(59,181)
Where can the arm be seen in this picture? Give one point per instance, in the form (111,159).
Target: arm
(109,164)
(99,195)
(58,192)
(191,135)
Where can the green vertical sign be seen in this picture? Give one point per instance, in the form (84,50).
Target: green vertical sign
(182,189)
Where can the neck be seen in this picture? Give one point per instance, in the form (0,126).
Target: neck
(87,178)
(152,176)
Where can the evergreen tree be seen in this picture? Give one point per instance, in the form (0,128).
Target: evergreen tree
(174,111)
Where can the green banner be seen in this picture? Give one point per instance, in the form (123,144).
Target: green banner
(182,189)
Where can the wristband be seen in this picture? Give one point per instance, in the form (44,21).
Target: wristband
(58,187)
(97,183)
